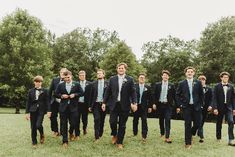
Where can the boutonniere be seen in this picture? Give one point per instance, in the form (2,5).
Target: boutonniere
(169,87)
(145,89)
(124,80)
(40,92)
(73,84)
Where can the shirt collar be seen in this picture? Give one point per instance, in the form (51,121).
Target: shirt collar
(69,83)
(163,82)
(190,80)
(101,80)
(40,88)
(123,76)
(224,84)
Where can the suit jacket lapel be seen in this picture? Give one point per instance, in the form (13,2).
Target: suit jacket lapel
(125,80)
(64,84)
(40,93)
(187,87)
(34,94)
(96,88)
(221,88)
(138,91)
(116,83)
(160,88)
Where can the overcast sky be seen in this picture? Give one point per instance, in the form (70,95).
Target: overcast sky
(136,21)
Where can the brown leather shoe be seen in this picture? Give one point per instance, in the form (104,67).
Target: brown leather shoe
(188,146)
(42,139)
(114,139)
(168,140)
(56,134)
(65,145)
(119,146)
(144,140)
(34,146)
(76,138)
(71,137)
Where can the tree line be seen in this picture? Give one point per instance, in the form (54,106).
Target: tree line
(28,49)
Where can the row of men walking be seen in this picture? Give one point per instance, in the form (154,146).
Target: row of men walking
(72,100)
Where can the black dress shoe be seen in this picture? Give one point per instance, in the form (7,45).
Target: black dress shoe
(201,140)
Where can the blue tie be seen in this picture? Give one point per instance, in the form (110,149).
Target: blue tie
(100,91)
(68,88)
(190,91)
(141,92)
(163,93)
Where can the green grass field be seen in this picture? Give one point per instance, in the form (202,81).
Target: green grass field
(15,141)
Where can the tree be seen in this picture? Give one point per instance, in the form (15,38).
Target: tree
(117,54)
(217,49)
(82,49)
(170,54)
(25,52)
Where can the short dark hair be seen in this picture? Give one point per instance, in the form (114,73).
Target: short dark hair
(189,67)
(66,73)
(166,72)
(202,77)
(224,73)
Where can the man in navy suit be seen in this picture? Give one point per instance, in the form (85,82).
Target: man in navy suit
(224,105)
(164,98)
(69,92)
(83,104)
(206,107)
(37,105)
(97,95)
(55,102)
(143,93)
(84,101)
(120,96)
(189,97)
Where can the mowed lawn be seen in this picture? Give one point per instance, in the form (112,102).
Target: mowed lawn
(15,141)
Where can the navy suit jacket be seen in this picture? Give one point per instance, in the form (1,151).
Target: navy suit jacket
(207,97)
(146,100)
(94,91)
(87,93)
(128,93)
(54,83)
(42,102)
(218,97)
(170,93)
(183,95)
(75,89)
